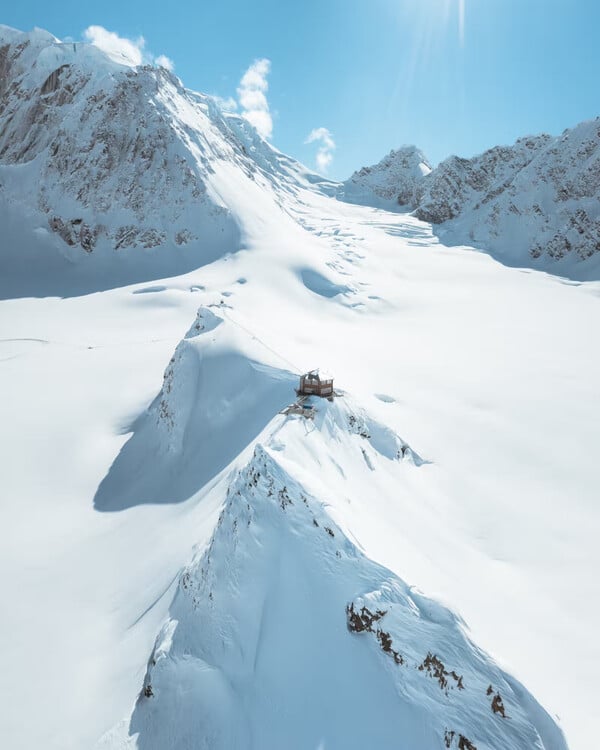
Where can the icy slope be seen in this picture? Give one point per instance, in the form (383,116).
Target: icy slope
(122,162)
(283,634)
(535,203)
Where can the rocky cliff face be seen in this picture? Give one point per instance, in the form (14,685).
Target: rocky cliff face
(535,202)
(458,183)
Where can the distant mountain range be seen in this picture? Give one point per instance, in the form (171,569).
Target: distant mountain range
(534,203)
(109,157)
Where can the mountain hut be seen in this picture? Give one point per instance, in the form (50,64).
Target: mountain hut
(314,384)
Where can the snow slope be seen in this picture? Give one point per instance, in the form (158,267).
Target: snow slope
(274,633)
(535,203)
(134,414)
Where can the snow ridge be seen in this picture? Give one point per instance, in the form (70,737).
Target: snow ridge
(281,618)
(282,633)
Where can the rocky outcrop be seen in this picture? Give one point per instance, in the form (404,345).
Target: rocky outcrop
(100,149)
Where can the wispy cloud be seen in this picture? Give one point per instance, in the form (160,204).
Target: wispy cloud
(323,137)
(164,62)
(124,50)
(228,104)
(128,51)
(252,94)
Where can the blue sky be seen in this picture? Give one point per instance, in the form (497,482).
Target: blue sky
(451,76)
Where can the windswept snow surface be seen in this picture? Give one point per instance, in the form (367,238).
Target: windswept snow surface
(460,461)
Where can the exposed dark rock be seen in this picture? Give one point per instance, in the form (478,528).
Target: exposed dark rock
(436,669)
(361,621)
(498,705)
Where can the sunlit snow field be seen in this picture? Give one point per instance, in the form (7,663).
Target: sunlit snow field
(489,373)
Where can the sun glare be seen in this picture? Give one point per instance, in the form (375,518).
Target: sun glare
(441,15)
(427,24)
(461,21)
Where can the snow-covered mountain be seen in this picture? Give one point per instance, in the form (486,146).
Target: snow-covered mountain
(185,561)
(114,159)
(536,203)
(118,160)
(394,179)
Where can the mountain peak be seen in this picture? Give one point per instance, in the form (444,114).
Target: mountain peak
(392,180)
(107,159)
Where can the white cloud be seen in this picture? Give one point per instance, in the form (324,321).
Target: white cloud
(228,104)
(123,50)
(252,94)
(120,49)
(164,62)
(323,137)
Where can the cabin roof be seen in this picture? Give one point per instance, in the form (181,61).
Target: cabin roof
(317,374)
